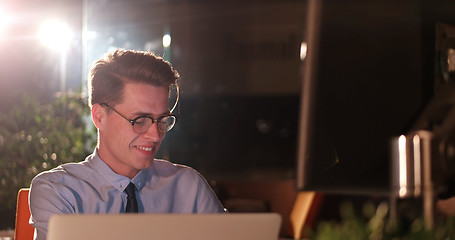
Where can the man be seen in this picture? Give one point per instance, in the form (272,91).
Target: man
(129,101)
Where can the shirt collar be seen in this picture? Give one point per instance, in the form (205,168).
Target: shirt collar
(140,179)
(118,181)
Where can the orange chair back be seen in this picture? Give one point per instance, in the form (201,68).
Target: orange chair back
(24,231)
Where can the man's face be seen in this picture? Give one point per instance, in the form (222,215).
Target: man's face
(125,151)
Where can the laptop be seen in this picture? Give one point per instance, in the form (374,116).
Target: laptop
(230,226)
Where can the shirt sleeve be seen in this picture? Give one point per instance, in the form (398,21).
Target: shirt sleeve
(207,201)
(45,200)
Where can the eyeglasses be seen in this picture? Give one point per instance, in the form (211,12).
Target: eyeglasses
(142,124)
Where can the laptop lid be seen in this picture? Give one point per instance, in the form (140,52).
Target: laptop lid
(230,226)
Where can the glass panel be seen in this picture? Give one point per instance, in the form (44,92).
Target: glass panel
(239,62)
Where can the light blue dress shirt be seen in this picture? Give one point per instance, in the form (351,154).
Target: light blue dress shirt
(92,186)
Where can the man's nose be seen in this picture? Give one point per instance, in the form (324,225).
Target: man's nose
(153,132)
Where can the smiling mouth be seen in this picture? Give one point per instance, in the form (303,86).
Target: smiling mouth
(149,149)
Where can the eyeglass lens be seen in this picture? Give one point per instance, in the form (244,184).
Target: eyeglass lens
(142,124)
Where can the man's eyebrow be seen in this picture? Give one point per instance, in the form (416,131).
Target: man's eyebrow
(138,114)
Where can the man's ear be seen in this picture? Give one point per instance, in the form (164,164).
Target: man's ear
(98,115)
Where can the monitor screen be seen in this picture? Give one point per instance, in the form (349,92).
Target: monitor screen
(364,82)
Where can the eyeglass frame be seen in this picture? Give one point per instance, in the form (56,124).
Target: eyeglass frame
(134,120)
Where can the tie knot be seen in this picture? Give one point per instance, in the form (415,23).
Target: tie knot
(130,190)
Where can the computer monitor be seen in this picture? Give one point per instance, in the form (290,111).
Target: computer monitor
(367,75)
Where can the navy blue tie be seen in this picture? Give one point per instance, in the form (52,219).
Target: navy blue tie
(131,204)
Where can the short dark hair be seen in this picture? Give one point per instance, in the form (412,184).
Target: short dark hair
(110,73)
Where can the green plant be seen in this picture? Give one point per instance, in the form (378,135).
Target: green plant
(37,136)
(374,224)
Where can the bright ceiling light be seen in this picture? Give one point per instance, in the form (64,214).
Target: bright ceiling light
(303,50)
(166,40)
(55,34)
(4,19)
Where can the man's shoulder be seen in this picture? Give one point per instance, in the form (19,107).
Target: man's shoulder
(165,167)
(67,170)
